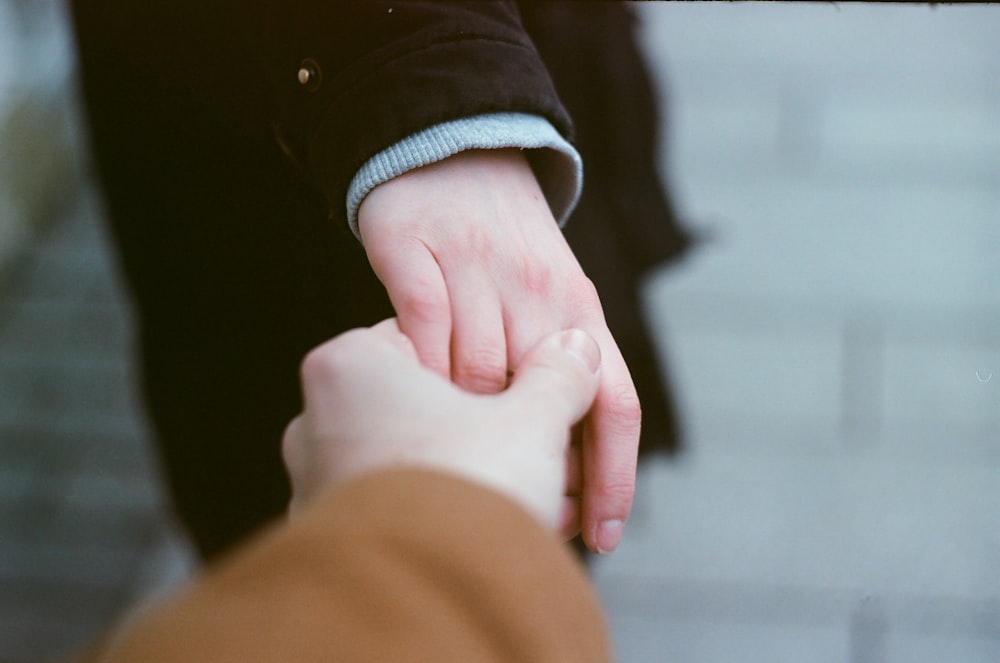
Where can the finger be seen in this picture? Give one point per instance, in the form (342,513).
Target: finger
(569,517)
(610,449)
(560,374)
(291,452)
(293,456)
(526,322)
(417,290)
(389,330)
(478,343)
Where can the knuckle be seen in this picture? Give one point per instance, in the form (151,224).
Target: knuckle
(622,407)
(586,300)
(316,364)
(483,370)
(536,276)
(586,289)
(291,445)
(423,304)
(328,359)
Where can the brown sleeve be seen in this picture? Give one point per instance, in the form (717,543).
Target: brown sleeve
(401,565)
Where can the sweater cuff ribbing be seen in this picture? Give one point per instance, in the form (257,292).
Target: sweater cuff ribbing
(556,163)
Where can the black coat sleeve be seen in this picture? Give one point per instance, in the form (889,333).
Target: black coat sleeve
(377,71)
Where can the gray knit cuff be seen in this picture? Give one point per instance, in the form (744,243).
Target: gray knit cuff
(556,163)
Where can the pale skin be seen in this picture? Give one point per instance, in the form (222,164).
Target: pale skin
(478,272)
(370,405)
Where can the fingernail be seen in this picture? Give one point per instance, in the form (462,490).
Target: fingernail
(580,344)
(609,535)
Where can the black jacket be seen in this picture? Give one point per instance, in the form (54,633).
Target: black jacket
(376,71)
(220,169)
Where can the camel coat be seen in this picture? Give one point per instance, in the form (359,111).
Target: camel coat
(400,565)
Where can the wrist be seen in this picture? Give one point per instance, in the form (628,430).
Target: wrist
(556,164)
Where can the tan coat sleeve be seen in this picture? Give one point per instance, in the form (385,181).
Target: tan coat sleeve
(402,565)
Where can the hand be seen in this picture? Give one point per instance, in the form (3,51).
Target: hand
(370,404)
(478,271)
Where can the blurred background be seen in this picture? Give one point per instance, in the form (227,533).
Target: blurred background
(834,344)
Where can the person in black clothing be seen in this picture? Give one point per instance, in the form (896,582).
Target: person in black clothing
(227,137)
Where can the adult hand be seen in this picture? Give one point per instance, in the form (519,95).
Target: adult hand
(478,271)
(370,404)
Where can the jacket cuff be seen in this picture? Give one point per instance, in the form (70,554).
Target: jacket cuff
(556,163)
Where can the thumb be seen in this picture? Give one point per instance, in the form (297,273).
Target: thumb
(562,372)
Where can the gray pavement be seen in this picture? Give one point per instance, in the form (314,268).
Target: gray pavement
(835,347)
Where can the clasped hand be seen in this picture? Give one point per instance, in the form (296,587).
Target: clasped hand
(370,405)
(478,273)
